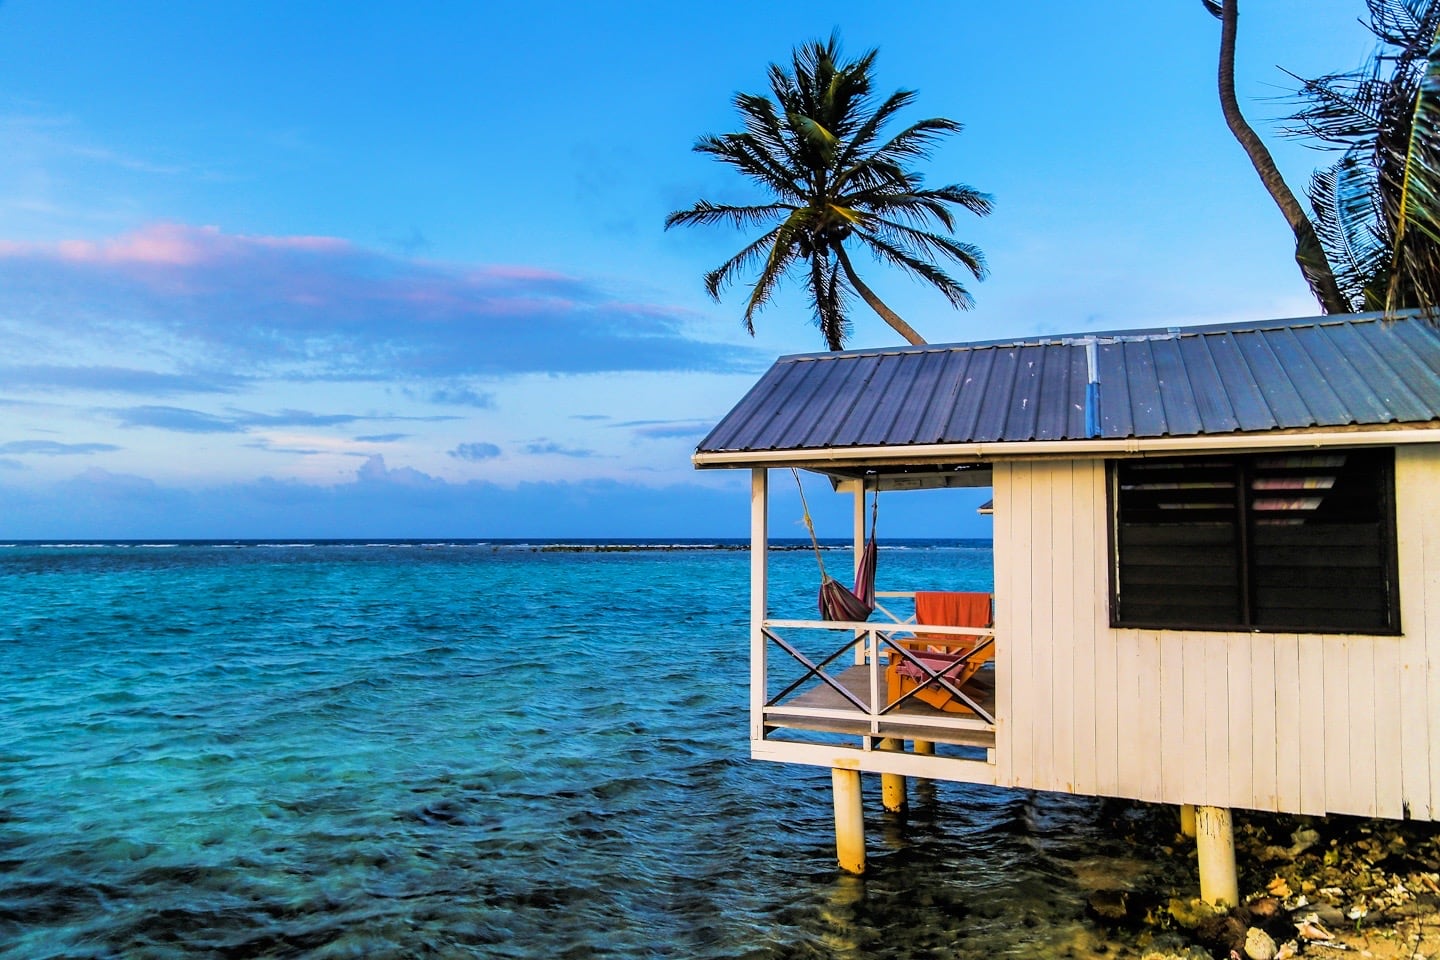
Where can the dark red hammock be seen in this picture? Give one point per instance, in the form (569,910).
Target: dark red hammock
(836,601)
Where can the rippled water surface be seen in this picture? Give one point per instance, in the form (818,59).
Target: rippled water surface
(466,750)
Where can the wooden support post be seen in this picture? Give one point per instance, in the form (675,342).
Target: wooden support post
(1187,819)
(759,596)
(1215,841)
(924,748)
(858,538)
(892,785)
(849,820)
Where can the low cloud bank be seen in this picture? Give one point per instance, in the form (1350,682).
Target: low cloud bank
(384,501)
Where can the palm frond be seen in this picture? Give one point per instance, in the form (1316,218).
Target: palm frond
(706,212)
(747,156)
(1398,23)
(872,176)
(827,300)
(917,141)
(1342,110)
(754,252)
(1376,212)
(769,132)
(923,245)
(1415,255)
(816,138)
(1347,221)
(785,249)
(948,286)
(921,207)
(869,131)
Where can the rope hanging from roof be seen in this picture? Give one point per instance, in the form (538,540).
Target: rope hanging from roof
(837,602)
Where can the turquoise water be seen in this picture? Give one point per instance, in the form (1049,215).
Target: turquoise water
(467,750)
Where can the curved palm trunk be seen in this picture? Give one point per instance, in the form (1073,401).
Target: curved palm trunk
(876,304)
(1314,266)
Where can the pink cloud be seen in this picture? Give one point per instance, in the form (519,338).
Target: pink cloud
(311,306)
(169,244)
(512,272)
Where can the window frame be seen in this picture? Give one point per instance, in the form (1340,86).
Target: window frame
(1246,567)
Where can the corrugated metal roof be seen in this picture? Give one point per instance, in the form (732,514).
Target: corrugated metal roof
(1282,375)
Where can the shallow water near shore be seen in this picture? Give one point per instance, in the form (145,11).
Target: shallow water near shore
(464,749)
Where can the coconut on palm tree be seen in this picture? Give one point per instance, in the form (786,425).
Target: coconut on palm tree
(836,182)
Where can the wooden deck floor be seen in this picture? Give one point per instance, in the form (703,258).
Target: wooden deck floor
(969,730)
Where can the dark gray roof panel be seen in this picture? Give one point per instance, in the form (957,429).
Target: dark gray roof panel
(922,391)
(1177,396)
(1053,409)
(1283,375)
(1322,403)
(1277,390)
(1401,343)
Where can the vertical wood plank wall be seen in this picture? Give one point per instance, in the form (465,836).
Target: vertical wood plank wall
(1305,724)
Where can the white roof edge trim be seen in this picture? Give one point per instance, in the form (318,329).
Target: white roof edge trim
(1022,449)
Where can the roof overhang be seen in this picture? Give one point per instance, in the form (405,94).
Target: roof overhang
(858,461)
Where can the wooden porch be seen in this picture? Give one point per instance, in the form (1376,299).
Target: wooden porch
(911,720)
(824,683)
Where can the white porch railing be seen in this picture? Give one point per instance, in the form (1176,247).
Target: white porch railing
(867,705)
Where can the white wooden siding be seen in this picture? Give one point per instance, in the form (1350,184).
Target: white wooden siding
(1300,723)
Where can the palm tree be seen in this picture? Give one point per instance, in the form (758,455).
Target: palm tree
(815,146)
(1371,240)
(1310,254)
(1375,209)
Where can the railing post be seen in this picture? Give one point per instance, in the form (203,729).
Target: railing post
(872,654)
(759,557)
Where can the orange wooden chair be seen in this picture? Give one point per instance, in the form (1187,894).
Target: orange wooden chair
(954,657)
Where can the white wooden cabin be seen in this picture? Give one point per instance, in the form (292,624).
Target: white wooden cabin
(1217,563)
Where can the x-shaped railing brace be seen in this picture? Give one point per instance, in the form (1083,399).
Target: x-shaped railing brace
(938,676)
(814,669)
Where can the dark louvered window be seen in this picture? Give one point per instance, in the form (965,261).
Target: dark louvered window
(1284,542)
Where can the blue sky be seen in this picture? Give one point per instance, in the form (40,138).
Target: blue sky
(303,269)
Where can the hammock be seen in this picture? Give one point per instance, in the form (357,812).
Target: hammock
(836,601)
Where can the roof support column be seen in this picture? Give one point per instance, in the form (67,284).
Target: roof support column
(857,549)
(759,557)
(858,512)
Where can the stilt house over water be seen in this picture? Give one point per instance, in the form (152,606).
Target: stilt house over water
(1217,570)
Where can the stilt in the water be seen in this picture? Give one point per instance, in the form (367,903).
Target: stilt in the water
(1215,841)
(1187,819)
(892,785)
(849,820)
